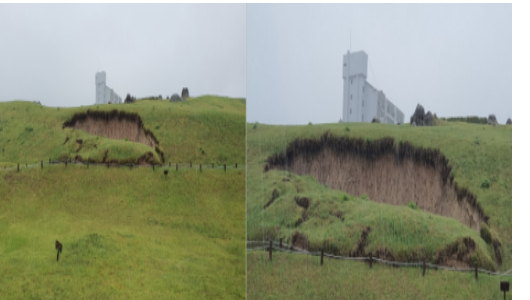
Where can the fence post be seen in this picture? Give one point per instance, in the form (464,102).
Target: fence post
(26,165)
(225,168)
(476,270)
(322,256)
(423,266)
(270,250)
(212,166)
(281,239)
(190,165)
(18,167)
(236,165)
(370,259)
(165,173)
(50,161)
(41,165)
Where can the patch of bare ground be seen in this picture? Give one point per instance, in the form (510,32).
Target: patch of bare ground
(304,203)
(275,194)
(115,124)
(387,172)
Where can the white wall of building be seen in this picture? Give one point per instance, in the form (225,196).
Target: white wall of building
(104,94)
(361,101)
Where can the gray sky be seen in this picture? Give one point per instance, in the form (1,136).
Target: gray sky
(456,60)
(51,53)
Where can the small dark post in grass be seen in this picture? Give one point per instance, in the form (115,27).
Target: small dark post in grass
(26,165)
(65,163)
(225,168)
(190,165)
(50,161)
(236,165)
(41,165)
(270,250)
(281,239)
(170,164)
(165,173)
(476,270)
(505,286)
(322,256)
(370,259)
(423,266)
(18,167)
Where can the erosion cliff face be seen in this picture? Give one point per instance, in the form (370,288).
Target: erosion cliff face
(386,172)
(113,125)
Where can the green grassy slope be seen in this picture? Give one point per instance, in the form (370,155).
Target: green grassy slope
(126,233)
(207,129)
(293,276)
(476,152)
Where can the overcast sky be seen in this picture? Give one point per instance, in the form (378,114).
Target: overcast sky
(51,53)
(456,60)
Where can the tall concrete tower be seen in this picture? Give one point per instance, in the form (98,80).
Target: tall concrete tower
(354,73)
(101,78)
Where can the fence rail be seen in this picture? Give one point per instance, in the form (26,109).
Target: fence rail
(266,245)
(167,166)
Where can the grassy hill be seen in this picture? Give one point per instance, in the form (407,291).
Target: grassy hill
(477,153)
(206,130)
(126,233)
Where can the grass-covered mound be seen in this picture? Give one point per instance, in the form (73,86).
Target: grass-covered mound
(335,220)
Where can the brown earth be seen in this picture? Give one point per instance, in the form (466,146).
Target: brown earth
(387,173)
(113,125)
(275,194)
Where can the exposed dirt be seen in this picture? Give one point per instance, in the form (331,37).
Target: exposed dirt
(457,254)
(387,173)
(275,194)
(361,244)
(113,125)
(303,202)
(299,240)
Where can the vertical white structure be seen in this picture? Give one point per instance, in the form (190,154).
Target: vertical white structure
(104,94)
(361,101)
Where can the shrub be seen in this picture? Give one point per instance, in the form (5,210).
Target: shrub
(310,123)
(157,127)
(365,197)
(413,205)
(126,139)
(29,129)
(485,184)
(347,128)
(345,198)
(476,141)
(255,125)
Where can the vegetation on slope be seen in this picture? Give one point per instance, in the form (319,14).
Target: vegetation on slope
(475,152)
(125,233)
(208,129)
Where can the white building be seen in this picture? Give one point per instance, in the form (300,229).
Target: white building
(104,94)
(361,101)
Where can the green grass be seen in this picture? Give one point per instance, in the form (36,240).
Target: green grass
(125,233)
(215,124)
(293,276)
(402,230)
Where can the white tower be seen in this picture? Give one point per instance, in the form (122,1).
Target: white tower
(104,94)
(101,79)
(354,73)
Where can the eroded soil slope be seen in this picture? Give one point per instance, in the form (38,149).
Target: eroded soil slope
(113,125)
(387,172)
